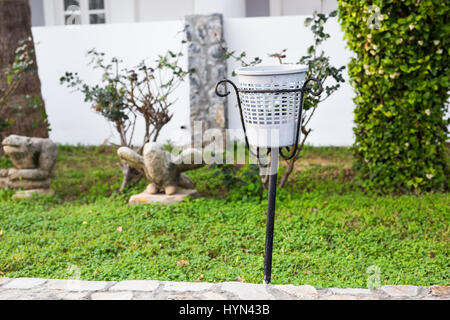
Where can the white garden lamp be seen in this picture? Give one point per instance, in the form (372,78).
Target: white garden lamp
(270,101)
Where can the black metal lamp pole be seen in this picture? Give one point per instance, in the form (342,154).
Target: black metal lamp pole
(270,216)
(274,153)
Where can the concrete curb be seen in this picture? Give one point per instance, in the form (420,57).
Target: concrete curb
(56,289)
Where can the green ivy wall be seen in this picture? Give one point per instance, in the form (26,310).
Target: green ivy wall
(401,78)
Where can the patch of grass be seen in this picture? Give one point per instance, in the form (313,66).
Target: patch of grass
(5,163)
(336,154)
(87,175)
(327,233)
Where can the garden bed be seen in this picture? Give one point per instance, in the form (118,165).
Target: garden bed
(327,232)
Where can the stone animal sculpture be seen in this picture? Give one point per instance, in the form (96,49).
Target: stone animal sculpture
(34,160)
(164,171)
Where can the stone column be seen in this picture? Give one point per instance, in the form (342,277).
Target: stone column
(204,34)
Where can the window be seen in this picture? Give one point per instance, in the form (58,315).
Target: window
(84,12)
(97,12)
(257,8)
(72,12)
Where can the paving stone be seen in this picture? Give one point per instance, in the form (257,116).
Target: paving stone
(4,281)
(340,297)
(440,291)
(180,297)
(351,291)
(65,295)
(77,285)
(142,295)
(21,294)
(186,286)
(210,295)
(55,289)
(124,295)
(349,297)
(372,297)
(10,294)
(433,298)
(247,291)
(401,291)
(301,292)
(135,285)
(24,283)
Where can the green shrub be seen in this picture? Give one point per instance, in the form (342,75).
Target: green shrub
(400,75)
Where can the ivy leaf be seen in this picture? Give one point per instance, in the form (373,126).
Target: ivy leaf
(308,21)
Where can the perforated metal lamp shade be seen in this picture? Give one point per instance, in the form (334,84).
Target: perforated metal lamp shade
(270,117)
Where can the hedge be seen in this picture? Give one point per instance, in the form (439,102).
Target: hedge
(401,79)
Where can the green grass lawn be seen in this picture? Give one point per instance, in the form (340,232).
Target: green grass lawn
(327,232)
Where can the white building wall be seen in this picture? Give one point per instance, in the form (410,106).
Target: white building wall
(158,10)
(121,11)
(328,6)
(228,8)
(126,11)
(291,7)
(51,10)
(301,7)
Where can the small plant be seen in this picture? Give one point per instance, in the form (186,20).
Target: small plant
(319,67)
(149,92)
(242,183)
(124,95)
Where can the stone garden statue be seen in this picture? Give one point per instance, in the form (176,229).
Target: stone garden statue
(164,171)
(34,160)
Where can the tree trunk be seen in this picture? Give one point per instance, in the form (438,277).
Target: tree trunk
(15,25)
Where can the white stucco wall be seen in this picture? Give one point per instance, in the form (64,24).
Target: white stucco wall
(229,8)
(121,11)
(63,49)
(301,7)
(293,7)
(157,10)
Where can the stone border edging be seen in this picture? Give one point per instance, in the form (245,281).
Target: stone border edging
(56,289)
